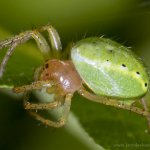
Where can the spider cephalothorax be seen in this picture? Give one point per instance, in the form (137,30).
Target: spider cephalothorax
(63,74)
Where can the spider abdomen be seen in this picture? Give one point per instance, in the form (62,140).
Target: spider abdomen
(110,69)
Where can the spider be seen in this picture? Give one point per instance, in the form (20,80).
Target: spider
(92,71)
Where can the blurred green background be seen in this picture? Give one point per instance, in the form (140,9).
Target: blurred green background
(126,21)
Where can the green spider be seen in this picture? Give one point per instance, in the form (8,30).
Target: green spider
(100,70)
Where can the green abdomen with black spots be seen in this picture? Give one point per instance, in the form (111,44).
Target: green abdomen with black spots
(110,69)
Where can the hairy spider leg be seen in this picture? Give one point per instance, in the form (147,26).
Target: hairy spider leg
(59,100)
(5,59)
(62,120)
(22,38)
(33,86)
(40,40)
(54,39)
(39,106)
(143,102)
(112,102)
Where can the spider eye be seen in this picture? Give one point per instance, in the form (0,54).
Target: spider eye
(46,65)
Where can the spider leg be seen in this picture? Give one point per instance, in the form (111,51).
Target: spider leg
(66,102)
(146,109)
(22,38)
(40,40)
(54,39)
(34,86)
(12,43)
(112,102)
(6,58)
(37,106)
(62,119)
